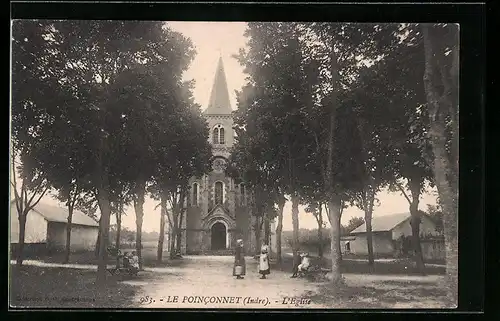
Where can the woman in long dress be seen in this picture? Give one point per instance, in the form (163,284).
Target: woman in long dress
(264,262)
(239,267)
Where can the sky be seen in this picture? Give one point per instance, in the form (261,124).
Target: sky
(213,40)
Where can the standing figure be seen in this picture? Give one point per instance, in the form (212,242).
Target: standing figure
(239,267)
(264,268)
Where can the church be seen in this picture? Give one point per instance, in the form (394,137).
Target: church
(218,209)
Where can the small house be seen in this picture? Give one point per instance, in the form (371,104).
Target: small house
(388,233)
(46,229)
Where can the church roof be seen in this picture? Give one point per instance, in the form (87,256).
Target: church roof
(219,103)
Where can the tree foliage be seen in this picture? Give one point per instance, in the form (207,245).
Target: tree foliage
(104,109)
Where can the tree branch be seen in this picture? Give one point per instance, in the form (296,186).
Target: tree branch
(16,194)
(35,193)
(38,200)
(25,194)
(403,191)
(14,172)
(75,196)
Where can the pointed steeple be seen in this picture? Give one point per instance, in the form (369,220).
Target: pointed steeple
(219,98)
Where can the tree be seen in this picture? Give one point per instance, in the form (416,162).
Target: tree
(331,49)
(161,236)
(402,98)
(317,211)
(269,110)
(87,62)
(28,119)
(120,198)
(185,154)
(441,43)
(33,187)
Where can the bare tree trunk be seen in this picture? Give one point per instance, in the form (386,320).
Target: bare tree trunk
(445,167)
(267,229)
(369,195)
(22,233)
(161,237)
(334,201)
(173,235)
(104,205)
(139,214)
(178,243)
(68,232)
(320,231)
(172,244)
(98,242)
(119,225)
(334,218)
(279,229)
(295,225)
(415,225)
(257,229)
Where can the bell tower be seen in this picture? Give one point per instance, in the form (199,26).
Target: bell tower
(219,114)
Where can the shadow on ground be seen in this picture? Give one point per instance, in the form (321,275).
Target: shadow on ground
(400,267)
(148,256)
(32,286)
(381,295)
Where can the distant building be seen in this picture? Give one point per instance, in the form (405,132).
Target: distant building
(46,229)
(388,232)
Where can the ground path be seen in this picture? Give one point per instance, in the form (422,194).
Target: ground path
(207,282)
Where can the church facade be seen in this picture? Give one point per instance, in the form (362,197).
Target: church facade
(218,211)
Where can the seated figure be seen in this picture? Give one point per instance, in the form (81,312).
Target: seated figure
(134,262)
(305,263)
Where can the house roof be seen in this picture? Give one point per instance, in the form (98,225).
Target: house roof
(59,214)
(383,223)
(219,103)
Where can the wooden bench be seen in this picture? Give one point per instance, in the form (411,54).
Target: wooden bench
(315,273)
(123,270)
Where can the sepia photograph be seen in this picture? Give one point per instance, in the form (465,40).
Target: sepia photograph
(233,165)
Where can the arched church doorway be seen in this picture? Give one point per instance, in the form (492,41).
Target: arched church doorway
(218,232)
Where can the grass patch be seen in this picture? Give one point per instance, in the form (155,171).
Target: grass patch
(381,295)
(32,286)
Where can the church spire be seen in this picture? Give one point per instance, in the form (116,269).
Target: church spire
(219,97)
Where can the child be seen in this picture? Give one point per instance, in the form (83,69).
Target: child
(119,259)
(264,262)
(134,262)
(126,260)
